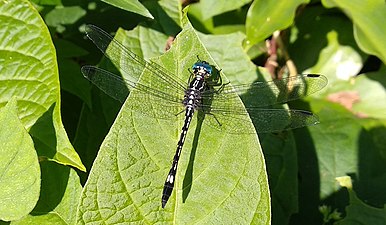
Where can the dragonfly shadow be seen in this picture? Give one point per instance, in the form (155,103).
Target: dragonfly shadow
(188,178)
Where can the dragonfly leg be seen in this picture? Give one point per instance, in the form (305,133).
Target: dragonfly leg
(222,87)
(191,76)
(180,112)
(214,116)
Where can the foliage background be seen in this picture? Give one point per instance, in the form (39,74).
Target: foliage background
(51,118)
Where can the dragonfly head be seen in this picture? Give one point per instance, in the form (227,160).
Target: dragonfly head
(202,67)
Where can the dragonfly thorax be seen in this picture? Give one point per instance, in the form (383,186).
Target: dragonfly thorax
(202,69)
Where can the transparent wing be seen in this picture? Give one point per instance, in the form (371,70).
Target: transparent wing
(234,120)
(149,100)
(227,112)
(123,59)
(118,87)
(260,94)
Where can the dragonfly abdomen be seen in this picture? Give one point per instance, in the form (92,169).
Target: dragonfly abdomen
(191,101)
(169,183)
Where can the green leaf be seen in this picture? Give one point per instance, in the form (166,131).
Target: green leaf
(239,69)
(368,18)
(360,213)
(225,23)
(322,40)
(29,72)
(169,16)
(132,6)
(343,142)
(341,64)
(210,8)
(47,2)
(59,198)
(128,175)
(340,157)
(20,173)
(67,49)
(338,62)
(60,16)
(279,152)
(266,17)
(351,149)
(368,103)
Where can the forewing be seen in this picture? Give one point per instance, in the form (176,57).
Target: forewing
(260,94)
(124,59)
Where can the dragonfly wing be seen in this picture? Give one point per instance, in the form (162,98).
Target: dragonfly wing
(118,87)
(260,94)
(124,59)
(147,100)
(234,120)
(111,84)
(155,106)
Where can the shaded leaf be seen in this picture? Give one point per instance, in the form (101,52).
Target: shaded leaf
(224,23)
(337,61)
(72,80)
(210,8)
(360,213)
(322,40)
(60,16)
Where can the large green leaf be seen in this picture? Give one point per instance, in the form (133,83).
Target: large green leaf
(29,72)
(20,173)
(368,18)
(279,151)
(266,17)
(217,170)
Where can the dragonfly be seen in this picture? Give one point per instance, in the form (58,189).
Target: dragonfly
(204,92)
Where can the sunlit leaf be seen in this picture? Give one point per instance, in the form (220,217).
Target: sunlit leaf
(29,72)
(20,172)
(132,6)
